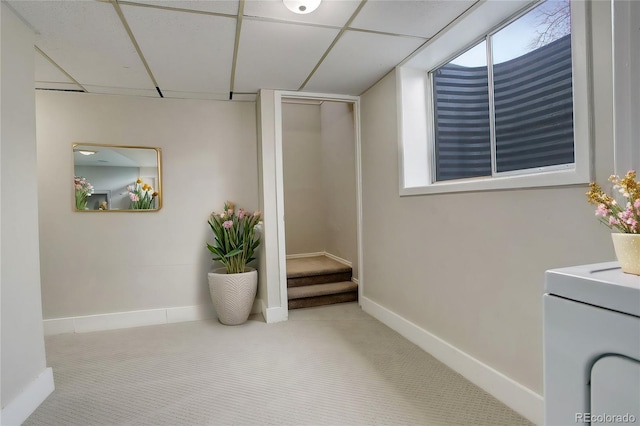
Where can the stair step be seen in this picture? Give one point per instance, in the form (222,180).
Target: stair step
(307,271)
(330,299)
(322,294)
(312,266)
(318,290)
(318,279)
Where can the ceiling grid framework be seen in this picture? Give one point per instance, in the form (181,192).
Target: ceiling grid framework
(235,47)
(50,73)
(116,6)
(333,43)
(226,49)
(188,58)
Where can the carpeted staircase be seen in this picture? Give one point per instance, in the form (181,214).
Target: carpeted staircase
(319,280)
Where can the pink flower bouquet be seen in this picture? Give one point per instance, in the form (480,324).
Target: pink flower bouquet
(623,216)
(236,237)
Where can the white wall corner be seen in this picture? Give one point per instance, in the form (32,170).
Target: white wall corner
(276,314)
(58,326)
(270,285)
(256,308)
(18,410)
(519,398)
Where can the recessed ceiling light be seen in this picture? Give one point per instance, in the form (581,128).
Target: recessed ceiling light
(302,6)
(85,151)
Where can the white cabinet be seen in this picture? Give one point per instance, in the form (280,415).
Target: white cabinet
(591,346)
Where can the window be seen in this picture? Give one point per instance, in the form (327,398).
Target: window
(506,105)
(462,116)
(505,98)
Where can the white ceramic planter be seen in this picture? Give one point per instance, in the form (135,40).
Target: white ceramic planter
(627,247)
(233,294)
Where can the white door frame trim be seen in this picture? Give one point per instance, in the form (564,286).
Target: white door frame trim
(279,95)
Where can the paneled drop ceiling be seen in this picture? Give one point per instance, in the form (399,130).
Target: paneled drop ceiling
(210,49)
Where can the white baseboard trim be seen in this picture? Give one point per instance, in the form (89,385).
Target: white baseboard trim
(116,320)
(302,255)
(521,399)
(190,313)
(321,253)
(339,259)
(355,280)
(276,314)
(17,411)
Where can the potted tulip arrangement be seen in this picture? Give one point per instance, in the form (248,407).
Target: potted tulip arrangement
(142,196)
(83,190)
(623,216)
(233,287)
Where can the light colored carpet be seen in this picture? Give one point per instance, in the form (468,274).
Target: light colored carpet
(330,365)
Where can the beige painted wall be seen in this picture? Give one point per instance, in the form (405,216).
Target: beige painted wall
(302,179)
(469,267)
(22,354)
(96,263)
(339,181)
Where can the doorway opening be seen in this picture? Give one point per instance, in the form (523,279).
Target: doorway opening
(310,195)
(320,202)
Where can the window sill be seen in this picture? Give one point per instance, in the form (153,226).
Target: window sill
(533,180)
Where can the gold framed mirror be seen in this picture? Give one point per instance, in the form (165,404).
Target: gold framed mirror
(113,178)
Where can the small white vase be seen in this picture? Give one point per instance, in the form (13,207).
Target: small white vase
(233,294)
(627,248)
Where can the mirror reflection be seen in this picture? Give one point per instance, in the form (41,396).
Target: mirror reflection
(116,178)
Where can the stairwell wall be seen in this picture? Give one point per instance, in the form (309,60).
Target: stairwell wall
(339,181)
(318,144)
(302,178)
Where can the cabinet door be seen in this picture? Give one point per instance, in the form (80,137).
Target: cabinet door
(576,336)
(615,390)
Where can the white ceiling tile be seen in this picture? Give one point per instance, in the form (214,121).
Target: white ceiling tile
(86,39)
(153,93)
(278,56)
(191,54)
(330,12)
(57,86)
(45,71)
(186,52)
(229,7)
(359,60)
(409,17)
